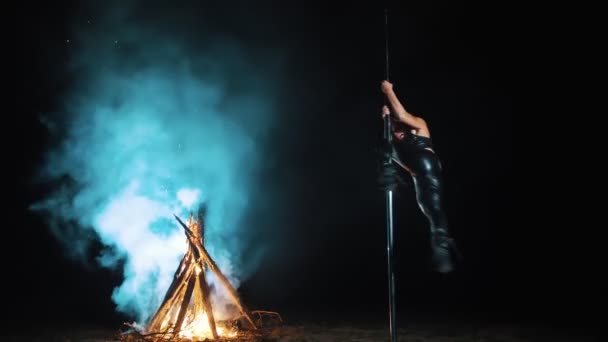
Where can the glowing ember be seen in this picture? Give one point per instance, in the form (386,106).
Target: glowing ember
(199,328)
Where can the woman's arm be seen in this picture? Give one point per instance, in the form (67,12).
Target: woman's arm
(402,114)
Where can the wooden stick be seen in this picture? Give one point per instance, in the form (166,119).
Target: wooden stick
(197,297)
(180,274)
(225,282)
(170,301)
(207,302)
(179,277)
(184,306)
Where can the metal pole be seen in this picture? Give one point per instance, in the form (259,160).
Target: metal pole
(389,249)
(389,210)
(391,278)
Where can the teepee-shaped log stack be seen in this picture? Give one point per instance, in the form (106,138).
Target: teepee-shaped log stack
(188,296)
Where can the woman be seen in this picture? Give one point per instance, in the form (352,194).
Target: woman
(413,151)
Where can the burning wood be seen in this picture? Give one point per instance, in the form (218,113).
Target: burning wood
(186,312)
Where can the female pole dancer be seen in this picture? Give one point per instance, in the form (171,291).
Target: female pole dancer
(412,149)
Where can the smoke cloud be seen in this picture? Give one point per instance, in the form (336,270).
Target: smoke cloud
(158,119)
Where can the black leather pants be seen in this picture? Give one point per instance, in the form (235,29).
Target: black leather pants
(425,167)
(429,188)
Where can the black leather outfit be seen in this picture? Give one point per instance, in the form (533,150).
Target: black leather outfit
(425,165)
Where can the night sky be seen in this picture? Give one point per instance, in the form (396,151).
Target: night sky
(322,218)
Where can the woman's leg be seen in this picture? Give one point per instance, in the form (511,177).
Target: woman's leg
(429,195)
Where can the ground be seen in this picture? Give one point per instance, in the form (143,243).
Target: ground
(320,332)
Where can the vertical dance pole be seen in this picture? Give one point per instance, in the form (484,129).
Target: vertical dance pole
(389,208)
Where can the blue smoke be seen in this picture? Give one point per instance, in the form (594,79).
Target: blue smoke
(157,123)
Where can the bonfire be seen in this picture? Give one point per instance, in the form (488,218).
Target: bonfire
(186,312)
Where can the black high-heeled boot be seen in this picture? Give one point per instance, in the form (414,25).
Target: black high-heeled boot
(442,247)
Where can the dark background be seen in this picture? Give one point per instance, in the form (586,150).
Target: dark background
(453,63)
